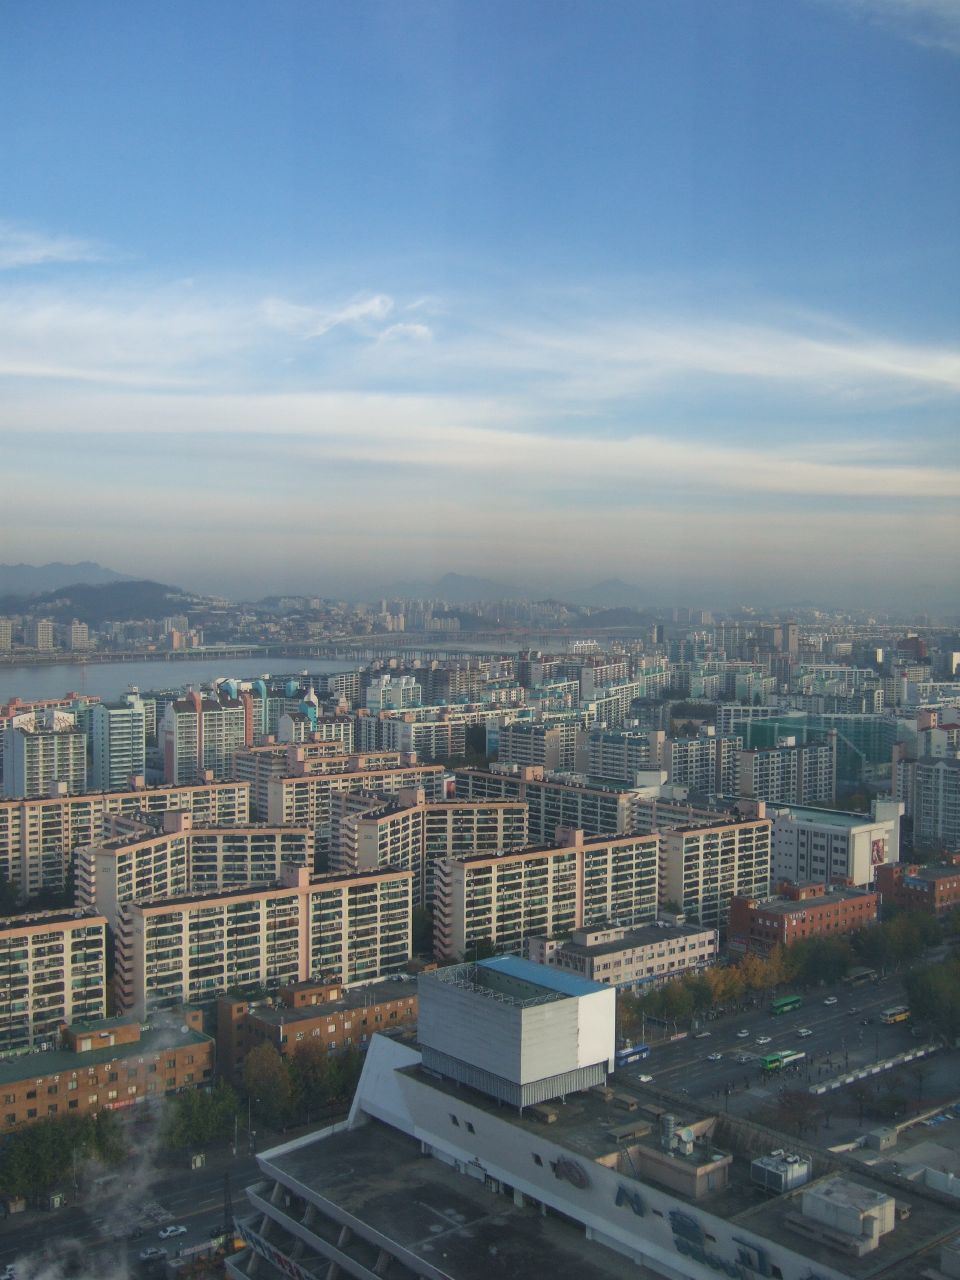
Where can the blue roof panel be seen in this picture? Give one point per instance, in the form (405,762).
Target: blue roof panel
(543,975)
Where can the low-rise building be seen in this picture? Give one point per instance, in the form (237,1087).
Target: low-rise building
(336,1017)
(107,1064)
(629,958)
(834,845)
(798,911)
(934,890)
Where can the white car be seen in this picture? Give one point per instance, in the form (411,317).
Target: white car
(763,1039)
(714,1057)
(152,1254)
(803,1032)
(167,1233)
(9,1272)
(701,1035)
(830,1000)
(645,1079)
(742,1035)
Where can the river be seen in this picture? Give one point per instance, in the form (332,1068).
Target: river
(110,679)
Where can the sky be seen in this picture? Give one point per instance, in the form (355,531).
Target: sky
(327,297)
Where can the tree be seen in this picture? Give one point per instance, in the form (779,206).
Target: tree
(198,1117)
(422,929)
(267,1083)
(799,1110)
(10,901)
(315,1077)
(933,994)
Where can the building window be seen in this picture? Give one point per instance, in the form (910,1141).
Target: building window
(538,1159)
(454,1120)
(470,1128)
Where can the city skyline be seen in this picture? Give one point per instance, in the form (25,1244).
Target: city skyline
(320,298)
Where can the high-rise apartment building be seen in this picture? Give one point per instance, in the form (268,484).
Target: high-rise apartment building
(40,754)
(371,832)
(701,868)
(553,803)
(198,736)
(118,743)
(936,803)
(38,837)
(393,693)
(791,774)
(6,635)
(137,861)
(303,798)
(52,971)
(500,900)
(195,948)
(39,634)
(620,755)
(707,764)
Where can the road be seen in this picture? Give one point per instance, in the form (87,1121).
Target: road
(191,1197)
(837,1042)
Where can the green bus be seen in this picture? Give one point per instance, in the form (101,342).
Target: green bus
(785,1058)
(783,1004)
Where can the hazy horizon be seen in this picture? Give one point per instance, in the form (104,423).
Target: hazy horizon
(315,298)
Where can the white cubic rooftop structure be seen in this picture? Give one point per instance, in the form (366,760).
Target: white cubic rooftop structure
(519,1032)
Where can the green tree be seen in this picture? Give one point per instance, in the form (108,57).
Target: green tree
(267,1083)
(315,1077)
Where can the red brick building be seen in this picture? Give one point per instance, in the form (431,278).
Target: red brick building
(339,1018)
(933,890)
(106,1065)
(798,911)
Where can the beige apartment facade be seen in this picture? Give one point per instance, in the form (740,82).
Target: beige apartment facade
(195,948)
(498,901)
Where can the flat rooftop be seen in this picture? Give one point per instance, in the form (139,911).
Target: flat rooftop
(50,1062)
(515,981)
(449,1221)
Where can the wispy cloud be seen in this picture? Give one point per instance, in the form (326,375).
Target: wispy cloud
(932,23)
(460,442)
(594,360)
(27,247)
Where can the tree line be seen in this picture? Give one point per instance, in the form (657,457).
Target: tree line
(50,1152)
(805,963)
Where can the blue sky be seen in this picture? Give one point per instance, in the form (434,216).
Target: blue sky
(330,295)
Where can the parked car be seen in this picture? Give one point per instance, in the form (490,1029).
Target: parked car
(167,1233)
(645,1079)
(153,1254)
(701,1035)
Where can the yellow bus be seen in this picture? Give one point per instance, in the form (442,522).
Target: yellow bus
(899,1013)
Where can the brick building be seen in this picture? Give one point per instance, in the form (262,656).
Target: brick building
(798,911)
(340,1018)
(106,1065)
(933,890)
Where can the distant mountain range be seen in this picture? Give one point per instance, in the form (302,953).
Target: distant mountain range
(100,603)
(35,579)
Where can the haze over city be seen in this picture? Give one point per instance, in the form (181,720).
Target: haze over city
(315,297)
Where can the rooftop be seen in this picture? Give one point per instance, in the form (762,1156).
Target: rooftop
(451,1222)
(52,1062)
